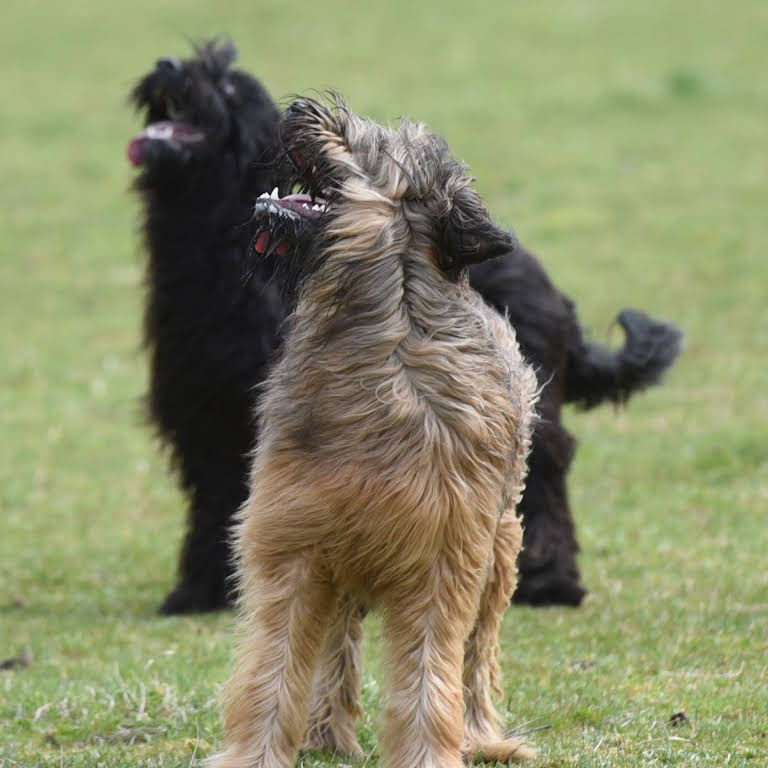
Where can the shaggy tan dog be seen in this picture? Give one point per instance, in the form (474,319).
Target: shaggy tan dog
(394,433)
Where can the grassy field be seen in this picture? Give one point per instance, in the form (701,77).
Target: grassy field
(627,145)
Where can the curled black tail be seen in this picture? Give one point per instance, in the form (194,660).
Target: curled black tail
(595,373)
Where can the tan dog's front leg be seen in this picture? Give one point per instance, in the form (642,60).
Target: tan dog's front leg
(336,689)
(483,738)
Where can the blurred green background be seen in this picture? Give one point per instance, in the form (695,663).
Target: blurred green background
(626,143)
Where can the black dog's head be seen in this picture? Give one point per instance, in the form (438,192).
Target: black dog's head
(200,111)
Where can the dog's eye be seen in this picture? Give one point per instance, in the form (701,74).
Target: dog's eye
(228,88)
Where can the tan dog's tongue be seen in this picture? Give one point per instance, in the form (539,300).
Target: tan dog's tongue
(262,243)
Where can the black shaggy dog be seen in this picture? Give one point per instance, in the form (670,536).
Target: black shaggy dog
(569,370)
(213,322)
(204,156)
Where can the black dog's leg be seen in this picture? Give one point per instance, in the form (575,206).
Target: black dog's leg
(548,571)
(206,566)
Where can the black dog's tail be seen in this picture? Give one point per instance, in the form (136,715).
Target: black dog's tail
(595,373)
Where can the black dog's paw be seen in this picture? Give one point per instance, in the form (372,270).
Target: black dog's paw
(549,589)
(195,598)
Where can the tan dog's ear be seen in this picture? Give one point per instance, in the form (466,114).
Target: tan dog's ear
(468,236)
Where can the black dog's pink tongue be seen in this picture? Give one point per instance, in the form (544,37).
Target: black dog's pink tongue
(163,130)
(133,151)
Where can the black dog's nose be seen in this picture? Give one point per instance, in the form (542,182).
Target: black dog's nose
(168,63)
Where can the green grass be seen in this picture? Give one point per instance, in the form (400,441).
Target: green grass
(626,144)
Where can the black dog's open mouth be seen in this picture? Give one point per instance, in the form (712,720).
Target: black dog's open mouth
(173,132)
(282,220)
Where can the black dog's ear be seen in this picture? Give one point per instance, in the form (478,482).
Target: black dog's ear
(217,55)
(226,53)
(468,236)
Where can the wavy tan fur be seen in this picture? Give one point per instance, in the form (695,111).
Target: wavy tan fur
(394,433)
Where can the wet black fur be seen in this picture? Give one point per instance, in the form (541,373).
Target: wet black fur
(212,325)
